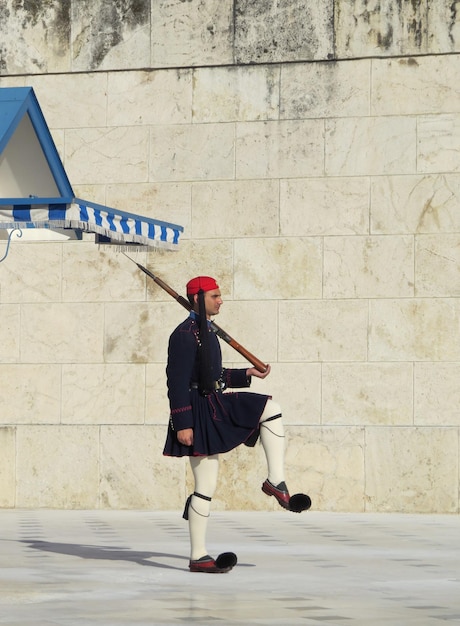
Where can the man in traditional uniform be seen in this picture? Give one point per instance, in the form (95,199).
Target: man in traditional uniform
(205,422)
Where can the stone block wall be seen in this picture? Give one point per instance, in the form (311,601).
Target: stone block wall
(311,151)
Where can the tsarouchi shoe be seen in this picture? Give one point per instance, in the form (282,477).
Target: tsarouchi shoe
(224,563)
(297,503)
(280,492)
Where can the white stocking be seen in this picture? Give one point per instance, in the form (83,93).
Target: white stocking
(272,439)
(205,470)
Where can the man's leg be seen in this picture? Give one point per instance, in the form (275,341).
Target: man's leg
(272,439)
(205,470)
(197,510)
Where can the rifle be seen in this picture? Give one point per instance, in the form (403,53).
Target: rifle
(220,332)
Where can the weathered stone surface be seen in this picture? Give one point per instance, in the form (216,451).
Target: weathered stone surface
(267,32)
(88,35)
(380,28)
(110,34)
(35,36)
(192,33)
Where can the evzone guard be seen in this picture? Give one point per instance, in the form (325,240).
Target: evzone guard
(205,422)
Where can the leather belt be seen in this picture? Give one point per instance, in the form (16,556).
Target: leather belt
(217,386)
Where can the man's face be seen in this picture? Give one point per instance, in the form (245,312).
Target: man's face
(212,302)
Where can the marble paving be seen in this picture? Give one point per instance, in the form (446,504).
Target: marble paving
(118,568)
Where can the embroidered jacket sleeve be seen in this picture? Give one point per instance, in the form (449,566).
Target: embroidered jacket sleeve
(235,378)
(181,359)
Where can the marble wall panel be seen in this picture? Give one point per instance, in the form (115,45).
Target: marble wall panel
(30,394)
(72,100)
(297,389)
(410,470)
(33,272)
(284,149)
(156,394)
(438,138)
(415,204)
(327,330)
(267,32)
(138,332)
(107,155)
(367,393)
(10,332)
(283,268)
(252,326)
(371,146)
(103,394)
(170,202)
(437,394)
(14,81)
(316,90)
(225,209)
(328,464)
(57,467)
(58,137)
(416,85)
(61,333)
(35,37)
(141,98)
(236,94)
(380,28)
(192,33)
(417,329)
(94,192)
(191,152)
(151,481)
(7,467)
(437,265)
(110,35)
(324,206)
(368,267)
(99,274)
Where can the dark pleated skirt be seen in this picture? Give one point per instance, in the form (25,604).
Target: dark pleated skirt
(222,421)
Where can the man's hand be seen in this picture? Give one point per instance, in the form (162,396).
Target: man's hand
(185,436)
(253,372)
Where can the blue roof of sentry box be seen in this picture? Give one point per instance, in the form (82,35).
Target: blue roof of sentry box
(36,193)
(17,103)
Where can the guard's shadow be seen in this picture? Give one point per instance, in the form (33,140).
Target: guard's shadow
(107,553)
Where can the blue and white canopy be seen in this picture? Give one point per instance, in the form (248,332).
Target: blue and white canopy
(117,225)
(35,191)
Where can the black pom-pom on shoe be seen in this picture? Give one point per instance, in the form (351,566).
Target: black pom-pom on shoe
(299,502)
(226,561)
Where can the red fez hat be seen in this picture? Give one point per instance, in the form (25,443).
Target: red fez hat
(206,283)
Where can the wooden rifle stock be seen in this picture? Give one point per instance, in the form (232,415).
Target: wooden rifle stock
(220,332)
